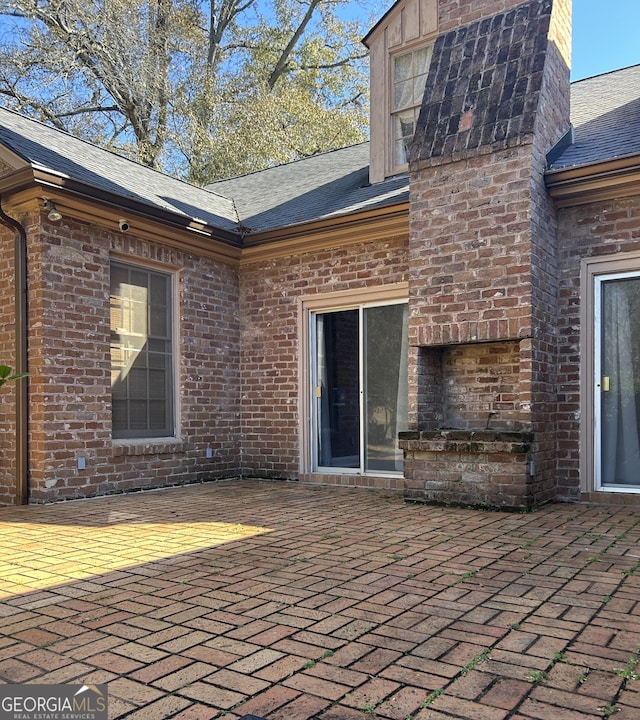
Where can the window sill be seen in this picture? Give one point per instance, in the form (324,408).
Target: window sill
(152,446)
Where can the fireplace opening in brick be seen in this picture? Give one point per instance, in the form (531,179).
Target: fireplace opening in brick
(473,442)
(476,386)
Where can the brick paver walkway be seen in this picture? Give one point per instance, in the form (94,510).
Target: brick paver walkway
(293,602)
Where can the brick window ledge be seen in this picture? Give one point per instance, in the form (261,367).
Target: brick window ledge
(147,447)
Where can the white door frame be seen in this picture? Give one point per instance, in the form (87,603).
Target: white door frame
(594,272)
(327,302)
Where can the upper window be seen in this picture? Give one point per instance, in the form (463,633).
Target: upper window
(410,72)
(142,385)
(401,46)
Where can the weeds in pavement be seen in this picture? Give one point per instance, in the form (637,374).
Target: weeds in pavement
(538,677)
(466,576)
(630,672)
(607,711)
(480,658)
(433,696)
(632,569)
(583,677)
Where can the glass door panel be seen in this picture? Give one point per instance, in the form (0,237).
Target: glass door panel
(360,388)
(618,383)
(337,389)
(385,376)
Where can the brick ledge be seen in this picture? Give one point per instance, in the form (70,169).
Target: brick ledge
(466,441)
(150,447)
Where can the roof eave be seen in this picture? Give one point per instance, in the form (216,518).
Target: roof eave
(91,204)
(387,221)
(91,192)
(591,182)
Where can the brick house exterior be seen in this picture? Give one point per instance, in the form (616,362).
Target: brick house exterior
(496,239)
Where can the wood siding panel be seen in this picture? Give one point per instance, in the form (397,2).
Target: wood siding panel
(378,113)
(408,24)
(394,31)
(428,17)
(411,21)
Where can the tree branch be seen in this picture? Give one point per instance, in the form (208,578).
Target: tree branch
(337,64)
(219,20)
(283,60)
(87,110)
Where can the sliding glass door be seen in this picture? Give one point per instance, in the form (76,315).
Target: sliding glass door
(359,388)
(617,382)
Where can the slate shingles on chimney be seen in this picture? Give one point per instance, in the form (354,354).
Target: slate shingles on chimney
(484,83)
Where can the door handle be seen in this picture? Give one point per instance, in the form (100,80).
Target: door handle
(605,383)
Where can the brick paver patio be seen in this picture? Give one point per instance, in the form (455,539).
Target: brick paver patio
(293,602)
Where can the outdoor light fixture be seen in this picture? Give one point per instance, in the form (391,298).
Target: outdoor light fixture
(54,214)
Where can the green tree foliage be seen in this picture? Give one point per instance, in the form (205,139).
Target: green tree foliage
(203,89)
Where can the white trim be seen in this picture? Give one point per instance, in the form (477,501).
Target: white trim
(595,380)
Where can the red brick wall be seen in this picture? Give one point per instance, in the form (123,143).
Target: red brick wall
(483,251)
(552,121)
(457,467)
(470,250)
(453,13)
(470,283)
(599,229)
(471,310)
(70,410)
(483,383)
(271,343)
(7,357)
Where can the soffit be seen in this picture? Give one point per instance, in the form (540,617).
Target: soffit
(607,180)
(30,195)
(10,161)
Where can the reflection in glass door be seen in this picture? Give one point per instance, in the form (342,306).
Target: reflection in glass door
(617,381)
(360,388)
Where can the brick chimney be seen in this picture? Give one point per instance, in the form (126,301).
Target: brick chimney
(483,284)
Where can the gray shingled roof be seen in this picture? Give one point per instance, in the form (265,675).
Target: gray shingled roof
(605,112)
(322,186)
(58,153)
